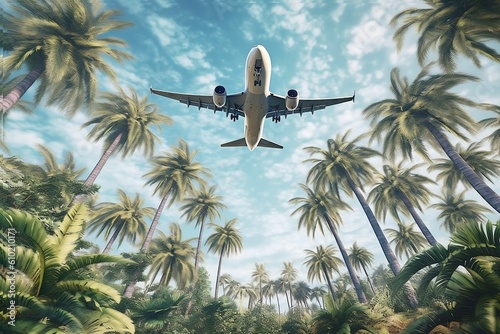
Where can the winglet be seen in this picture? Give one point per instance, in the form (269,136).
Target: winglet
(353,96)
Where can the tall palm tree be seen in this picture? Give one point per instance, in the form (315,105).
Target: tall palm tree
(456,210)
(225,241)
(479,160)
(281,288)
(321,264)
(344,165)
(261,276)
(302,293)
(317,293)
(124,121)
(402,190)
(245,291)
(453,27)
(406,240)
(7,85)
(289,274)
(269,291)
(122,220)
(422,111)
(466,272)
(320,208)
(361,258)
(50,295)
(62,44)
(494,137)
(203,205)
(172,257)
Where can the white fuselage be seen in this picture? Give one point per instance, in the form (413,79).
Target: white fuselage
(257,77)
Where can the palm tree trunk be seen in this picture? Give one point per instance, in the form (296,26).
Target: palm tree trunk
(147,241)
(421,225)
(278,302)
(287,299)
(389,254)
(368,278)
(329,282)
(102,161)
(198,247)
(218,272)
(15,95)
(291,292)
(154,223)
(476,182)
(350,269)
(111,241)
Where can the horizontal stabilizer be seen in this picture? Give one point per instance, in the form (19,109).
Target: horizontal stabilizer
(234,143)
(242,142)
(266,143)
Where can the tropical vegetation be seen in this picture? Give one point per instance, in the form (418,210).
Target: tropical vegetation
(55,279)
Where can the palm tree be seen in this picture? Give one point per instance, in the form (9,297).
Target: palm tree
(321,264)
(225,241)
(344,165)
(494,137)
(50,295)
(406,240)
(204,204)
(343,316)
(245,291)
(402,190)
(466,272)
(316,293)
(260,275)
(479,160)
(453,27)
(289,275)
(155,313)
(61,42)
(302,293)
(122,220)
(7,85)
(269,291)
(456,210)
(124,121)
(361,258)
(172,257)
(420,112)
(318,209)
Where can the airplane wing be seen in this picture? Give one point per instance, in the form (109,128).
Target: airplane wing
(234,102)
(277,105)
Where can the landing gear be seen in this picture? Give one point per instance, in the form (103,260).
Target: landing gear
(257,82)
(276,119)
(234,117)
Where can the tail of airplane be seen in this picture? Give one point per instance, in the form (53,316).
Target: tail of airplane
(241,142)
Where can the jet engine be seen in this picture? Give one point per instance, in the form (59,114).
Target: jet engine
(292,100)
(219,96)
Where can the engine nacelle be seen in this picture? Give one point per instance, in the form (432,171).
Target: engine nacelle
(219,96)
(292,100)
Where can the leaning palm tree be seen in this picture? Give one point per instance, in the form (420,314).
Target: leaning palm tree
(203,205)
(7,85)
(63,45)
(50,296)
(172,257)
(321,264)
(479,160)
(344,165)
(122,220)
(401,190)
(453,27)
(494,137)
(289,274)
(261,276)
(320,208)
(124,121)
(421,112)
(302,293)
(406,240)
(225,241)
(456,210)
(361,258)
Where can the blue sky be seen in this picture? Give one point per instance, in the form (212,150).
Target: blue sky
(322,49)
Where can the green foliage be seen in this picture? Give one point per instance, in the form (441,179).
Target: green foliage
(261,319)
(473,291)
(47,294)
(46,194)
(218,317)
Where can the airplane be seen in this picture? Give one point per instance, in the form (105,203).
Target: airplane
(256,103)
